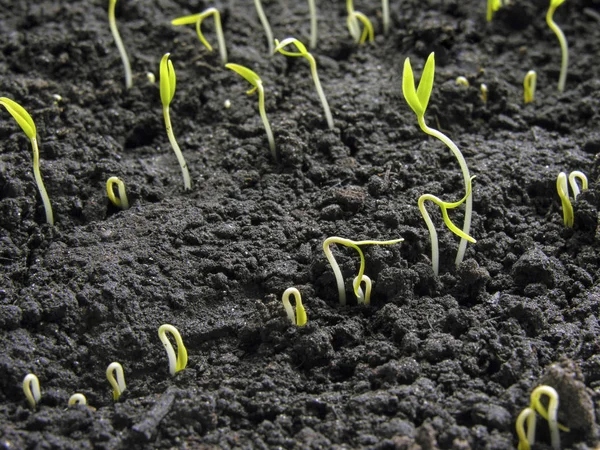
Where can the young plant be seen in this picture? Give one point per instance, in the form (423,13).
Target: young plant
(197,19)
(28,126)
(77,399)
(280,47)
(265,23)
(385,12)
(31,389)
(117,37)
(418,99)
(462,81)
(122,201)
(312,10)
(363,298)
(562,41)
(252,78)
(118,383)
(179,362)
(167,91)
(525,440)
(299,318)
(484,92)
(353,26)
(529,85)
(563,193)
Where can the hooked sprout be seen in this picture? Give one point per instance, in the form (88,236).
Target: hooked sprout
(353,26)
(117,37)
(312,10)
(299,318)
(418,99)
(462,81)
(363,298)
(562,79)
(31,389)
(118,383)
(252,78)
(77,399)
(265,23)
(280,47)
(525,440)
(197,19)
(529,85)
(28,126)
(167,91)
(122,201)
(563,193)
(176,363)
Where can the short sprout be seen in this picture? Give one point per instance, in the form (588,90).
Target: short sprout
(299,318)
(150,77)
(179,362)
(563,193)
(529,85)
(363,297)
(353,26)
(484,92)
(526,440)
(197,19)
(550,414)
(31,389)
(462,81)
(562,40)
(122,201)
(118,382)
(77,399)
(117,37)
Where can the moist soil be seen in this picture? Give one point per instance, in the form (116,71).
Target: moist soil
(443,361)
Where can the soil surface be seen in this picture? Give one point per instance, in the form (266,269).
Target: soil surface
(444,361)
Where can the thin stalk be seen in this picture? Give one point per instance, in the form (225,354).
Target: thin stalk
(40,183)
(312,8)
(263,116)
(265,24)
(321,94)
(184,168)
(117,37)
(563,47)
(385,11)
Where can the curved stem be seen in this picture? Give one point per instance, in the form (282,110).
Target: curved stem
(40,183)
(187,184)
(563,47)
(321,94)
(117,37)
(435,254)
(265,120)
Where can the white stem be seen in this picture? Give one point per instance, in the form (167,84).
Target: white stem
(265,24)
(117,37)
(313,23)
(187,184)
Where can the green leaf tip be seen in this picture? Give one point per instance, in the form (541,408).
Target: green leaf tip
(167,80)
(249,75)
(279,47)
(418,98)
(20,115)
(556,3)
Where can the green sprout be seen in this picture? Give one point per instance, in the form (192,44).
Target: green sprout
(385,12)
(563,193)
(353,26)
(529,85)
(280,47)
(122,201)
(118,383)
(312,9)
(167,91)
(493,6)
(526,416)
(77,399)
(117,37)
(252,78)
(462,81)
(197,19)
(362,298)
(484,92)
(28,126)
(562,41)
(299,318)
(31,389)
(265,23)
(179,362)
(418,99)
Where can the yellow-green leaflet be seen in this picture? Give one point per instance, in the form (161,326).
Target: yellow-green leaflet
(20,115)
(418,99)
(287,41)
(250,76)
(167,80)
(556,3)
(426,82)
(187,20)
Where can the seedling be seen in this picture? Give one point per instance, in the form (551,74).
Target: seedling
(562,41)
(312,10)
(167,91)
(299,318)
(353,26)
(462,81)
(31,389)
(280,47)
(385,12)
(28,126)
(176,363)
(484,93)
(197,19)
(117,37)
(252,78)
(122,201)
(265,23)
(418,99)
(529,85)
(77,399)
(364,297)
(360,277)
(526,440)
(563,193)
(118,383)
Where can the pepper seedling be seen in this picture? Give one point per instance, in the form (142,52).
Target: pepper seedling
(122,201)
(31,389)
(299,318)
(265,23)
(563,193)
(197,19)
(529,85)
(28,126)
(562,40)
(353,26)
(167,91)
(252,78)
(302,52)
(418,99)
(118,382)
(179,362)
(117,37)
(363,298)
(77,399)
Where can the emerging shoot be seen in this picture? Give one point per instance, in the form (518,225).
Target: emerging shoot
(299,318)
(197,19)
(117,37)
(484,93)
(122,201)
(353,26)
(118,383)
(562,41)
(529,85)
(312,9)
(418,99)
(167,91)
(77,399)
(563,193)
(252,78)
(526,440)
(176,363)
(462,81)
(31,389)
(265,23)
(28,126)
(280,47)
(362,298)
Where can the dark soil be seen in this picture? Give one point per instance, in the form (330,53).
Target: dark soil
(434,362)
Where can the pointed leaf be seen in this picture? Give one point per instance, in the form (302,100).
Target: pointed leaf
(167,80)
(426,83)
(187,20)
(408,89)
(250,76)
(20,115)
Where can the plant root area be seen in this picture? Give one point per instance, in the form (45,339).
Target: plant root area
(434,362)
